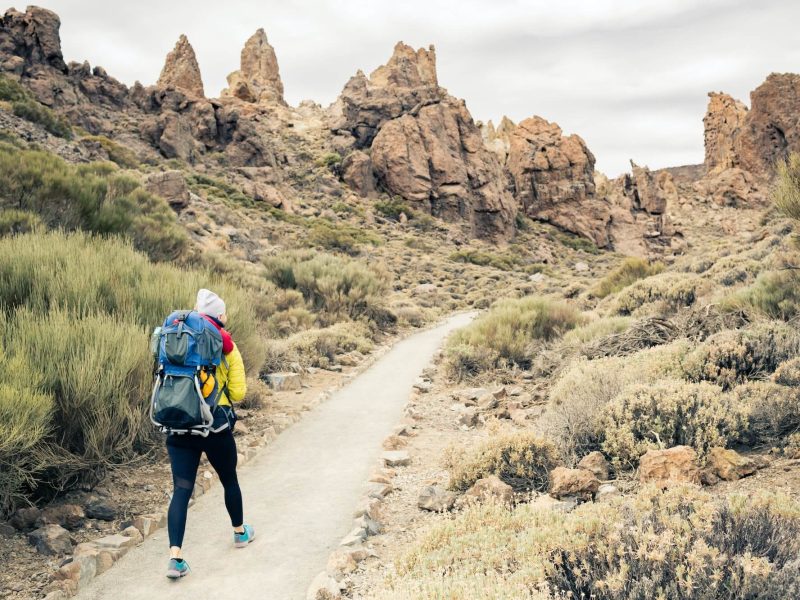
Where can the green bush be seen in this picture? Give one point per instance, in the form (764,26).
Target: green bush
(118,154)
(335,285)
(631,270)
(786,191)
(671,290)
(339,237)
(735,356)
(393,208)
(599,328)
(315,347)
(576,242)
(13,221)
(25,106)
(666,414)
(522,460)
(773,410)
(511,327)
(774,294)
(331,159)
(92,197)
(485,259)
(76,312)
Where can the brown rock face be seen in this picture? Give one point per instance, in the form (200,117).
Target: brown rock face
(596,463)
(649,192)
(573,482)
(722,123)
(553,177)
(33,37)
(171,186)
(425,147)
(729,464)
(181,71)
(732,187)
(772,128)
(258,78)
(675,465)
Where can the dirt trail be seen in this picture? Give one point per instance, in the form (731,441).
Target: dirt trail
(299,494)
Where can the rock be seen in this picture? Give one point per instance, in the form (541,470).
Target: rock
(25,518)
(490,487)
(51,540)
(102,509)
(171,186)
(355,537)
(606,491)
(724,119)
(368,506)
(649,192)
(7,530)
(422,386)
(357,173)
(258,79)
(553,179)
(729,464)
(424,289)
(487,402)
(368,524)
(69,516)
(340,563)
(579,483)
(146,524)
(284,382)
(469,417)
(733,187)
(181,71)
(116,542)
(80,570)
(675,465)
(133,533)
(436,499)
(379,490)
(596,463)
(469,396)
(581,267)
(324,587)
(396,458)
(394,442)
(545,502)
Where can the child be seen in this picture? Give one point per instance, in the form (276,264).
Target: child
(212,307)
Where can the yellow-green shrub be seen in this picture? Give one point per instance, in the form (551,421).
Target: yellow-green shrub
(788,373)
(522,460)
(786,191)
(683,543)
(670,290)
(316,347)
(632,269)
(669,413)
(510,328)
(13,221)
(116,153)
(773,410)
(731,357)
(775,294)
(598,328)
(25,106)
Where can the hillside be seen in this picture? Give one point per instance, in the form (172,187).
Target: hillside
(619,319)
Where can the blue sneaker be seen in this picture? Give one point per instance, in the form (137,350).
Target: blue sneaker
(240,540)
(177,568)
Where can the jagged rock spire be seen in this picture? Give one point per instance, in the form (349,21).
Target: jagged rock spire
(181,70)
(258,78)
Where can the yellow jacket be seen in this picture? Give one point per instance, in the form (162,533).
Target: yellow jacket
(233,374)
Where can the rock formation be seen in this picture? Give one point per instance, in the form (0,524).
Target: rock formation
(553,179)
(425,147)
(181,71)
(722,123)
(258,79)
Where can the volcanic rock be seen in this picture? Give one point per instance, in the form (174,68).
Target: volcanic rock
(573,482)
(258,79)
(722,124)
(181,71)
(678,464)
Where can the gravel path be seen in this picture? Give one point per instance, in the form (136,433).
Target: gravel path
(299,494)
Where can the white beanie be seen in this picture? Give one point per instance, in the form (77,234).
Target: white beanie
(210,304)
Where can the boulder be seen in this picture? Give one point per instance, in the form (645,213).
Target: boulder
(51,540)
(606,491)
(258,79)
(596,463)
(664,467)
(436,499)
(181,71)
(650,192)
(730,465)
(78,571)
(102,509)
(357,173)
(733,187)
(284,382)
(25,518)
(579,483)
(69,516)
(490,487)
(553,179)
(171,186)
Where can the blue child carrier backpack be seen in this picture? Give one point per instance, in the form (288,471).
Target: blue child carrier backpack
(186,347)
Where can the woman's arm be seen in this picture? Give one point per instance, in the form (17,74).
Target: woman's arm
(237,380)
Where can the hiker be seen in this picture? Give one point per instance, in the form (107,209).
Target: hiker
(219,446)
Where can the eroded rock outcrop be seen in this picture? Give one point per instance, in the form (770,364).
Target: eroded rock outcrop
(258,79)
(425,146)
(553,179)
(181,71)
(722,123)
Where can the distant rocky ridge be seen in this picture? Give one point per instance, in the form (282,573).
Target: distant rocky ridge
(399,133)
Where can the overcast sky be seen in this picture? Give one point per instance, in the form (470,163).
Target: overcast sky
(629,76)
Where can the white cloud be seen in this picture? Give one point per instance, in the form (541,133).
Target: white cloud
(629,76)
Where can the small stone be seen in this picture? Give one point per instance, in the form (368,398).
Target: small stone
(133,533)
(368,524)
(340,563)
(356,536)
(729,464)
(581,267)
(366,507)
(146,525)
(436,499)
(396,458)
(379,490)
(51,540)
(284,382)
(80,570)
(487,402)
(597,464)
(7,530)
(102,509)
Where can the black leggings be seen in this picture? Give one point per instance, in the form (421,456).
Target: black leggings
(184,455)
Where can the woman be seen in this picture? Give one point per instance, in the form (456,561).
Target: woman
(220,448)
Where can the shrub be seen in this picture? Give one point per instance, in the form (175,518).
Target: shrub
(463,361)
(91,197)
(773,410)
(667,414)
(788,373)
(485,259)
(315,347)
(340,237)
(671,290)
(732,357)
(330,160)
(338,286)
(786,191)
(631,270)
(393,208)
(25,106)
(522,460)
(577,242)
(14,221)
(118,154)
(599,328)
(684,543)
(774,294)
(287,322)
(511,326)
